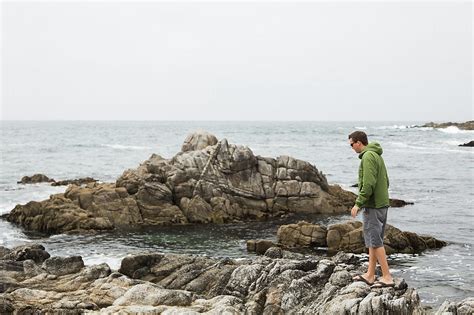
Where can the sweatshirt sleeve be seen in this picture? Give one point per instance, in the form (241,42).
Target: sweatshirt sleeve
(369,178)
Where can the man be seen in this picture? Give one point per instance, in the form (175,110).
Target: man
(373,199)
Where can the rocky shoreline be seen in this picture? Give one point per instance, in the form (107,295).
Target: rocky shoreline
(33,282)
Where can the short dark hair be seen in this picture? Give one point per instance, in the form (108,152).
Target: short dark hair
(359,136)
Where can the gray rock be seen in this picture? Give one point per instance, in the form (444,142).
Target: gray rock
(60,266)
(302,234)
(37,178)
(34,252)
(198,141)
(130,265)
(149,294)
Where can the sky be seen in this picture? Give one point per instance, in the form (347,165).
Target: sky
(331,61)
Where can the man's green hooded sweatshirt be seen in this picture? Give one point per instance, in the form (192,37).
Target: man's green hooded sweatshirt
(373,178)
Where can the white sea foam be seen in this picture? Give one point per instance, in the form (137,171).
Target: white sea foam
(361,128)
(113,262)
(454,129)
(126,147)
(394,127)
(37,192)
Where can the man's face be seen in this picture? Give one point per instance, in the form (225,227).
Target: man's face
(356,146)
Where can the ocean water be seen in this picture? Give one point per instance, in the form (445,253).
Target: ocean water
(425,165)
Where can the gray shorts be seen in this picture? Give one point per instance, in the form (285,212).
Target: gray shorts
(374,226)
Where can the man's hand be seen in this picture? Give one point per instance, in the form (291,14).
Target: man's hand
(354,211)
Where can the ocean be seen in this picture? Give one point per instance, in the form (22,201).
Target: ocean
(425,166)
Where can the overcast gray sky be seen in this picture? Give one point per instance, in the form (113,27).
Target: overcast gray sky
(237,61)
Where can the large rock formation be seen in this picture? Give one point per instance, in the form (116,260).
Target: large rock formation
(347,237)
(210,181)
(156,283)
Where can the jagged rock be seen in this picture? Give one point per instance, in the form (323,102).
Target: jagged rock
(468,125)
(467,144)
(302,234)
(56,215)
(37,178)
(209,181)
(465,307)
(35,252)
(349,237)
(78,181)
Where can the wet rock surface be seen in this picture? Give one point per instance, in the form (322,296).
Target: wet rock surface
(156,283)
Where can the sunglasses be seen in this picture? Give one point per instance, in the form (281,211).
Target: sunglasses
(352,144)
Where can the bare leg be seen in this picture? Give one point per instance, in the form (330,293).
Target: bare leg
(381,256)
(370,274)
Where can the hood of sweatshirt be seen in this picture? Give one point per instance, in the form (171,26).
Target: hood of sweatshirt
(373,146)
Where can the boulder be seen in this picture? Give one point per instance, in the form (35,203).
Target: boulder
(198,141)
(302,234)
(63,265)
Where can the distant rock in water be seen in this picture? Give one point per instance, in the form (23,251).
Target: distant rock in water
(207,182)
(40,178)
(398,203)
(159,283)
(79,181)
(395,203)
(468,125)
(348,237)
(37,178)
(468,144)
